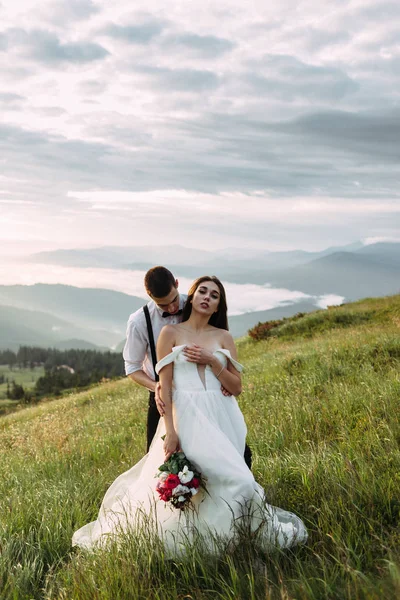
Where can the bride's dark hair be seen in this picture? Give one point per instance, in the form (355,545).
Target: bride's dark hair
(218,319)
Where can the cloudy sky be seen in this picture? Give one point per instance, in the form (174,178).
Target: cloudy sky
(208,124)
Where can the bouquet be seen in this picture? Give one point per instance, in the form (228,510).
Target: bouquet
(179,481)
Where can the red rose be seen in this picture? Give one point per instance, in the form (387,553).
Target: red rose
(165,494)
(194,483)
(172,481)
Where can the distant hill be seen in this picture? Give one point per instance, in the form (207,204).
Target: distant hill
(382,252)
(348,274)
(337,272)
(20,327)
(36,328)
(75,344)
(84,307)
(233,264)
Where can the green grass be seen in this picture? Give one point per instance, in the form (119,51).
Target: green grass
(372,311)
(322,414)
(25,377)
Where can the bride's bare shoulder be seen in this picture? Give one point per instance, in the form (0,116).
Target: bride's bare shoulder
(168,332)
(226,339)
(221,334)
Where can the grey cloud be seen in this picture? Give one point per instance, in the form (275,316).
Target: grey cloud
(381,67)
(48,159)
(379,12)
(92,87)
(50,111)
(14,73)
(369,135)
(327,88)
(183,80)
(386,39)
(204,46)
(47,47)
(261,26)
(135,34)
(71,10)
(320,154)
(11,99)
(316,38)
(122,134)
(3,42)
(392,38)
(288,78)
(290,159)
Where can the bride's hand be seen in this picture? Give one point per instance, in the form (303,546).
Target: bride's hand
(197,354)
(171,444)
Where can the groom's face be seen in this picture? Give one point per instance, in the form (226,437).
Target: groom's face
(170,302)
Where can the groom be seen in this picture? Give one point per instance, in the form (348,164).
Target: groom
(143,329)
(164,308)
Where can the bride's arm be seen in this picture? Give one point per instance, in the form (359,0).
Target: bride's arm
(229,377)
(165,343)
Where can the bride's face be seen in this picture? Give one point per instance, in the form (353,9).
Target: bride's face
(206,298)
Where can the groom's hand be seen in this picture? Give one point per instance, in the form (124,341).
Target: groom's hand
(159,403)
(225,391)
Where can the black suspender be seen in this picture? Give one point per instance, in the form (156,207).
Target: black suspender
(151,339)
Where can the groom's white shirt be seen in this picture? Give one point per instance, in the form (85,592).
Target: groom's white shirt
(137,353)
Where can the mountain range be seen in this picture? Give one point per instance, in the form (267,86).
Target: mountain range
(144,257)
(57,314)
(353,271)
(67,316)
(30,315)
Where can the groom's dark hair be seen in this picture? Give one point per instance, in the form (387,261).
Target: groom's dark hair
(218,319)
(158,282)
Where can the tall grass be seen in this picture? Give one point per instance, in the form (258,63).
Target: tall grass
(323,423)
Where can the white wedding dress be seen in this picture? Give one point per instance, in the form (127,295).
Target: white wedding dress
(212,434)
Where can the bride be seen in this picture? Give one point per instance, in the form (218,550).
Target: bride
(196,358)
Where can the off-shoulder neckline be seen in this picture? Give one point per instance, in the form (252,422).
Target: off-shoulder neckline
(177,349)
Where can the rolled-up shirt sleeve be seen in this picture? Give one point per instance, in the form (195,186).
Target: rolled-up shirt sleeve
(135,349)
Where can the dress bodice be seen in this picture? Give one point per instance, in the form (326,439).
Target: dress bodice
(186,373)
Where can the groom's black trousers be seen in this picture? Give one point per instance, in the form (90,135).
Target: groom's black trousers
(153,416)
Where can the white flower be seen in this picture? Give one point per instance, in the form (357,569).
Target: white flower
(180,489)
(185,475)
(194,491)
(162,475)
(181,499)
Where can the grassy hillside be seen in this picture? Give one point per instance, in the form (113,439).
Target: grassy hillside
(374,311)
(322,413)
(240,324)
(26,377)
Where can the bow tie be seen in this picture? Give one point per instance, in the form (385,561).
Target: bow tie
(167,314)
